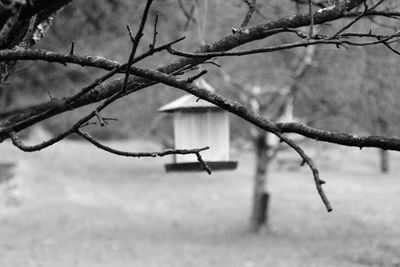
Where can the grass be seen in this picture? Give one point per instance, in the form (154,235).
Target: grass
(75,206)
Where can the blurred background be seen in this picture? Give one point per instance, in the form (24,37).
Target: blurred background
(103,210)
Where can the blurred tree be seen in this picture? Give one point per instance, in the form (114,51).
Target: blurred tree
(364,99)
(275,102)
(377,110)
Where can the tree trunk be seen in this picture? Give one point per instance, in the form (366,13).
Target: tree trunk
(383,127)
(384,160)
(259,217)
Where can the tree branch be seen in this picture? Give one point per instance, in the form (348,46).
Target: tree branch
(311,165)
(241,111)
(252,7)
(282,47)
(43,9)
(196,151)
(366,9)
(310,11)
(89,61)
(135,43)
(254,33)
(111,91)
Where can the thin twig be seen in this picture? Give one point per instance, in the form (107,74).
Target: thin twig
(310,10)
(393,14)
(18,143)
(257,11)
(366,10)
(203,163)
(147,154)
(153,44)
(29,33)
(90,61)
(252,7)
(391,48)
(9,25)
(306,159)
(212,63)
(195,77)
(99,118)
(71,51)
(130,60)
(135,43)
(277,48)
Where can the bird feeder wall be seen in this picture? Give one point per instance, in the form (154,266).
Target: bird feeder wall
(196,129)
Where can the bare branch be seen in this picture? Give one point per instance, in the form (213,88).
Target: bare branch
(49,56)
(281,47)
(114,90)
(203,163)
(90,61)
(246,114)
(147,154)
(306,159)
(195,77)
(391,48)
(241,111)
(310,11)
(366,9)
(71,51)
(341,138)
(106,90)
(252,7)
(18,143)
(372,13)
(135,43)
(153,44)
(56,106)
(100,118)
(9,25)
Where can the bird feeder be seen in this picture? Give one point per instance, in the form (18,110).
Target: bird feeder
(198,123)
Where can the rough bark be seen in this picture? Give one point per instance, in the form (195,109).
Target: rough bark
(15,18)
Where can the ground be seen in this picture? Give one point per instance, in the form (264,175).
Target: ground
(73,205)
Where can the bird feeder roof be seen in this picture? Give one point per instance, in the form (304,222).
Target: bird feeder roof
(190,102)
